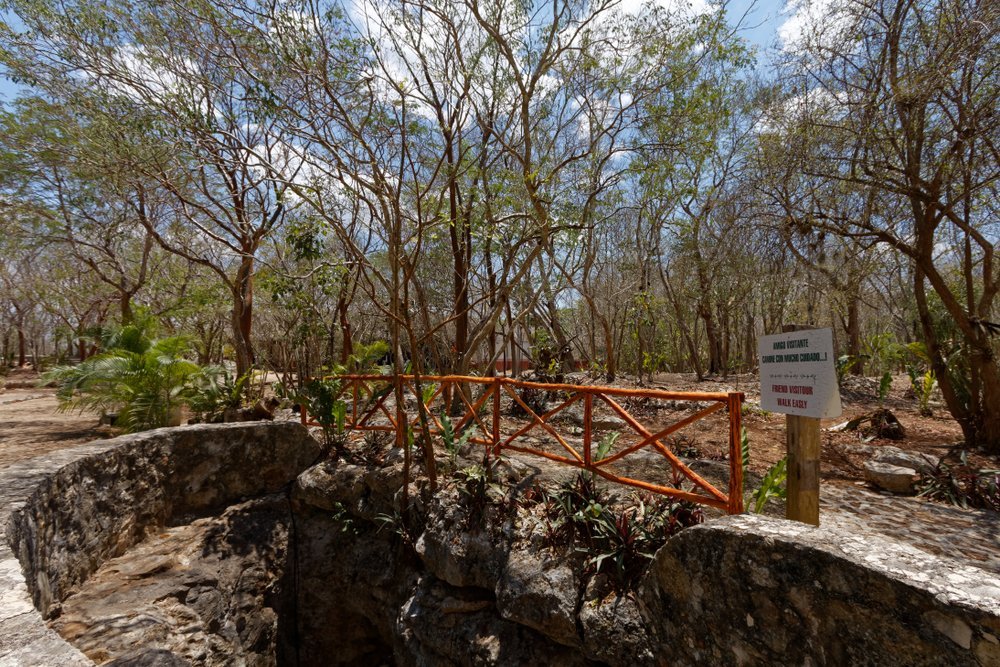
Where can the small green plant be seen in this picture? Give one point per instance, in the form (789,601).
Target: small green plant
(210,393)
(846,362)
(606,444)
(882,351)
(477,485)
(364,358)
(375,445)
(395,524)
(344,519)
(427,394)
(618,541)
(924,389)
(772,486)
(453,445)
(884,385)
(597,370)
(322,397)
(744,452)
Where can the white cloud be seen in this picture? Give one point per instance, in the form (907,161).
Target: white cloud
(814,24)
(149,78)
(682,7)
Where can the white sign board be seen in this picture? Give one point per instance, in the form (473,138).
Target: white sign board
(797,374)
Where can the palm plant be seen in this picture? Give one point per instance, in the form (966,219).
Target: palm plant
(214,390)
(143,381)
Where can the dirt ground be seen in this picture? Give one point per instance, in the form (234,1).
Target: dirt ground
(936,434)
(31,425)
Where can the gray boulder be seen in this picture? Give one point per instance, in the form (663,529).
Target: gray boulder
(894,478)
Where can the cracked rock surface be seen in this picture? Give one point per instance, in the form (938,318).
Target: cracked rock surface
(212,592)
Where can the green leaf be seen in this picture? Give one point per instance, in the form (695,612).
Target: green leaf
(772,486)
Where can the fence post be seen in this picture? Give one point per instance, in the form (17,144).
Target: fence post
(802,448)
(496,417)
(588,413)
(735,453)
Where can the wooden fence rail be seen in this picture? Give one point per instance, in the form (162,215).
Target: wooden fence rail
(479,400)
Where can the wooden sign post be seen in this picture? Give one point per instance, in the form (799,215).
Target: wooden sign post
(798,378)
(802,442)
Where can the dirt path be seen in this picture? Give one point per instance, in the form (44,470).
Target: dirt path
(30,425)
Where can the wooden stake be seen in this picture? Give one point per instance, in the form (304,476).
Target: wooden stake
(802,440)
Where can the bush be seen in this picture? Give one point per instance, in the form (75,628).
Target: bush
(322,398)
(962,484)
(213,391)
(618,542)
(145,382)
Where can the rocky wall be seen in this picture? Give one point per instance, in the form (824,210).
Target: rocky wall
(63,516)
(463,585)
(743,590)
(749,590)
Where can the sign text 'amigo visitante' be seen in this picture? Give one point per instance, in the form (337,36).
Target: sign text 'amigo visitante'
(797,374)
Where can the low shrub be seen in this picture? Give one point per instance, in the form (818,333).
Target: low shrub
(962,484)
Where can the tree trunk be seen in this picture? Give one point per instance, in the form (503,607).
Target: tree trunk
(22,345)
(346,342)
(854,335)
(242,319)
(460,291)
(610,359)
(565,351)
(714,340)
(958,408)
(682,324)
(125,306)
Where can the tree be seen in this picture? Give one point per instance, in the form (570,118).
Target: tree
(896,99)
(72,199)
(168,103)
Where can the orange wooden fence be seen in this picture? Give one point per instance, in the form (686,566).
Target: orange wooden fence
(368,409)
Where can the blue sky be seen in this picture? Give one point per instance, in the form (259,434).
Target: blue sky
(761,23)
(763,17)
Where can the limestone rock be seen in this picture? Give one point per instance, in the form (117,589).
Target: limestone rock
(328,483)
(750,589)
(895,456)
(366,490)
(452,585)
(460,558)
(352,580)
(894,478)
(457,550)
(210,593)
(614,631)
(541,593)
(598,421)
(104,504)
(425,635)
